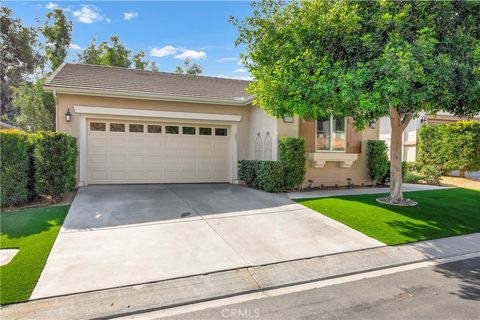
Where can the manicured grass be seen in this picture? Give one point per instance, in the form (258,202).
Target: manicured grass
(33,231)
(439,213)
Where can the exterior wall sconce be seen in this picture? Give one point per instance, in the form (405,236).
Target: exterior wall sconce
(68,116)
(423,120)
(372,124)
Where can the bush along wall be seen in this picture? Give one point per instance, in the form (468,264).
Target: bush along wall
(293,159)
(55,157)
(378,163)
(262,175)
(16,178)
(450,147)
(42,163)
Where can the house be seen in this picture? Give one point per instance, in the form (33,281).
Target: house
(137,126)
(410,135)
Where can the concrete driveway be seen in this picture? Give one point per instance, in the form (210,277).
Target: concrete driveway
(117,235)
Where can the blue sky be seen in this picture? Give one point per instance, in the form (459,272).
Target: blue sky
(167,31)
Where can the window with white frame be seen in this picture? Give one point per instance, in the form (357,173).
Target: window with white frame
(331,134)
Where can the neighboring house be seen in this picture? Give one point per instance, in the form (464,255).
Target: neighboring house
(154,127)
(410,135)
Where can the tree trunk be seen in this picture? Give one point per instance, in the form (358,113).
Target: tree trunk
(462,173)
(398,125)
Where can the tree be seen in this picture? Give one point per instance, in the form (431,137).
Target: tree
(138,62)
(114,54)
(18,57)
(194,69)
(58,37)
(153,66)
(36,108)
(364,59)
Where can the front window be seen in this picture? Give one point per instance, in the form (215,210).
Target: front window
(331,134)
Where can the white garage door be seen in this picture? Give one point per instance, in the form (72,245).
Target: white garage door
(147,152)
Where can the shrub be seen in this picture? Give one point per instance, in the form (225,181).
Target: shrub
(378,164)
(292,157)
(413,166)
(262,175)
(270,176)
(430,174)
(450,147)
(248,171)
(411,177)
(16,180)
(55,158)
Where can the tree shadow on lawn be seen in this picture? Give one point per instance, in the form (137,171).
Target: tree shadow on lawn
(468,274)
(439,213)
(24,223)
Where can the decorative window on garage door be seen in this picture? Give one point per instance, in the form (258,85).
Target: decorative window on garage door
(98,126)
(137,128)
(117,127)
(153,128)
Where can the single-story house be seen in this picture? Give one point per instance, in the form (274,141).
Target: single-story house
(410,135)
(137,126)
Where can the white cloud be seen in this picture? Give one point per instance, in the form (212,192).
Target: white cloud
(178,53)
(241,70)
(227,59)
(108,20)
(191,54)
(75,46)
(52,6)
(129,15)
(88,14)
(163,52)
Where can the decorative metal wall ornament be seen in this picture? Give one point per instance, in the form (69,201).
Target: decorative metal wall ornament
(258,147)
(268,147)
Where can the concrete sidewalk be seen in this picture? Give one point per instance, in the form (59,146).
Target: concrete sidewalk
(183,291)
(407,187)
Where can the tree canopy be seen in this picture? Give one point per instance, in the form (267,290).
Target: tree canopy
(58,37)
(19,57)
(358,58)
(189,68)
(364,59)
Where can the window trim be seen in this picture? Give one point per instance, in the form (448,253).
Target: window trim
(330,137)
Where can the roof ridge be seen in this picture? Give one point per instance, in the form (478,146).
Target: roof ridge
(151,72)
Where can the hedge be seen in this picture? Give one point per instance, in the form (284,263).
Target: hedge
(15,167)
(378,164)
(293,159)
(42,163)
(55,157)
(450,147)
(262,175)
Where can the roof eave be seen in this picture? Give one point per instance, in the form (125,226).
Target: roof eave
(145,96)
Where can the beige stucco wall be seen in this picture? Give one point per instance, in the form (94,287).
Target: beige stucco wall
(260,125)
(332,173)
(68,101)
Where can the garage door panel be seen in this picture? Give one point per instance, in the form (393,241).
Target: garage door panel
(129,157)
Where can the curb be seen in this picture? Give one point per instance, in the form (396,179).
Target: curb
(165,294)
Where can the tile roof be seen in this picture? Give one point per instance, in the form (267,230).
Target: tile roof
(123,80)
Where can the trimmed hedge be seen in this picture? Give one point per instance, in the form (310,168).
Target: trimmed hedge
(292,156)
(450,147)
(378,164)
(55,157)
(262,175)
(15,167)
(42,163)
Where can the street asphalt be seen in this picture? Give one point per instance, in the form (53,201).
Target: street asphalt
(446,291)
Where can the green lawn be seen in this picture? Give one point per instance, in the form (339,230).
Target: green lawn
(439,213)
(33,231)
